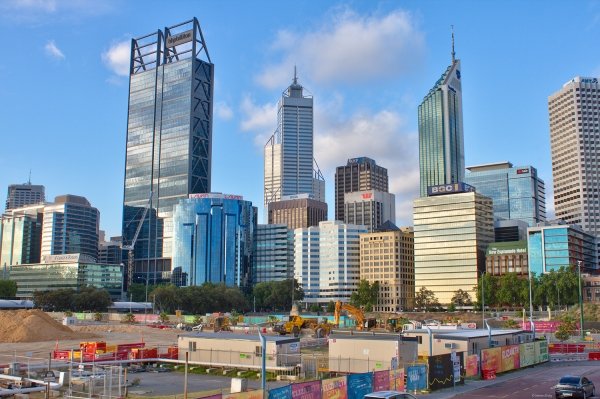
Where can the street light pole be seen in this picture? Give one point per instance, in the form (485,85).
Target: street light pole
(531,303)
(482,302)
(580,302)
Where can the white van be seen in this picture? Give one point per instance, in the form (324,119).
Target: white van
(389,395)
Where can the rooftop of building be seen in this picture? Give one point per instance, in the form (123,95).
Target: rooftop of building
(71,199)
(490,166)
(241,337)
(458,334)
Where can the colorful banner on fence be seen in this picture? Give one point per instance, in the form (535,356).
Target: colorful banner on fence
(416,377)
(381,380)
(510,357)
(307,390)
(491,359)
(472,366)
(541,351)
(281,393)
(258,394)
(397,380)
(334,388)
(359,385)
(527,354)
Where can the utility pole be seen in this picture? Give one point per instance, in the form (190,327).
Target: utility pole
(580,302)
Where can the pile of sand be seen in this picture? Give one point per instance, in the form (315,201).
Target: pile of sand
(34,326)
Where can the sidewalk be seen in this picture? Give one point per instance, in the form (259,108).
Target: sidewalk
(471,385)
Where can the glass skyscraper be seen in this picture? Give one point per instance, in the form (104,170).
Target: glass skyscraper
(214,240)
(518,193)
(441,141)
(290,168)
(169,139)
(274,253)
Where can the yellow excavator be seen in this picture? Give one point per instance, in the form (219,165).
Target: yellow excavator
(361,322)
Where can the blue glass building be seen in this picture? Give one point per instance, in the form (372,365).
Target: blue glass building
(169,140)
(518,193)
(213,239)
(553,247)
(274,253)
(441,137)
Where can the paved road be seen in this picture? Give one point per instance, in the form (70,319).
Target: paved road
(530,383)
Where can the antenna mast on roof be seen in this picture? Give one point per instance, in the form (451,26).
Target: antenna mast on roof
(453,53)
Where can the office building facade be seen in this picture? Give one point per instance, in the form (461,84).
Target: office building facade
(369,208)
(70,226)
(574,131)
(297,211)
(214,239)
(359,174)
(21,235)
(507,257)
(307,262)
(110,252)
(518,193)
(441,138)
(551,247)
(20,195)
(290,167)
(387,257)
(452,232)
(169,139)
(510,230)
(273,254)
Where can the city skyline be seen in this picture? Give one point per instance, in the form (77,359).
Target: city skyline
(75,49)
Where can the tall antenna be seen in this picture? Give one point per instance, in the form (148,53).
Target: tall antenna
(29,181)
(295,76)
(453,53)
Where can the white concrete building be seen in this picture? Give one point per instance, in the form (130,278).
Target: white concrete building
(369,208)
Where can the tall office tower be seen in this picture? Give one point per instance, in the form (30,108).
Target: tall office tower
(70,226)
(169,139)
(290,167)
(327,261)
(213,240)
(452,232)
(518,193)
(273,253)
(369,208)
(110,252)
(359,174)
(21,235)
(441,141)
(297,211)
(574,134)
(20,195)
(387,257)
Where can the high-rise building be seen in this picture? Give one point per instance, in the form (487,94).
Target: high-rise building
(21,235)
(274,253)
(297,211)
(452,232)
(334,263)
(290,167)
(70,226)
(441,140)
(214,239)
(507,257)
(574,133)
(552,246)
(387,257)
(518,193)
(369,208)
(169,139)
(20,195)
(110,252)
(359,174)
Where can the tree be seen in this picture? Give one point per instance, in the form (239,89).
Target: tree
(425,300)
(276,295)
(331,307)
(8,289)
(166,298)
(137,292)
(91,299)
(366,295)
(566,328)
(54,300)
(461,298)
(490,287)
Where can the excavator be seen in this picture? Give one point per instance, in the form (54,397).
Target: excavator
(361,322)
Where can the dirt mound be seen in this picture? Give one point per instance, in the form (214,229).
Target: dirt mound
(34,326)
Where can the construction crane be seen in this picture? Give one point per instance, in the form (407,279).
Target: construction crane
(131,246)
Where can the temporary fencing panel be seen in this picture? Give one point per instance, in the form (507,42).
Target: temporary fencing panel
(334,388)
(281,393)
(359,385)
(416,377)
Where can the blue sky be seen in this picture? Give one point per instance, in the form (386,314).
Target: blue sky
(368,64)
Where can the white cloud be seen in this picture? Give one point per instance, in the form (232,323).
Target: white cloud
(351,48)
(260,119)
(53,51)
(117,57)
(48,6)
(223,111)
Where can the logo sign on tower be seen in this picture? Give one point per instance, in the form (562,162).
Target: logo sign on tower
(180,38)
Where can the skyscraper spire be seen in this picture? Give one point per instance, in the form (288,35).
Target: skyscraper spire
(453,53)
(295,76)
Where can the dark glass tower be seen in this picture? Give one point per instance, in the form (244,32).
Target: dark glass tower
(169,140)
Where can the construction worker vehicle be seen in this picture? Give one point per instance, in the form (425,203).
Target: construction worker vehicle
(362,323)
(296,323)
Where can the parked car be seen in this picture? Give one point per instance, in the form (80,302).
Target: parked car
(389,395)
(573,386)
